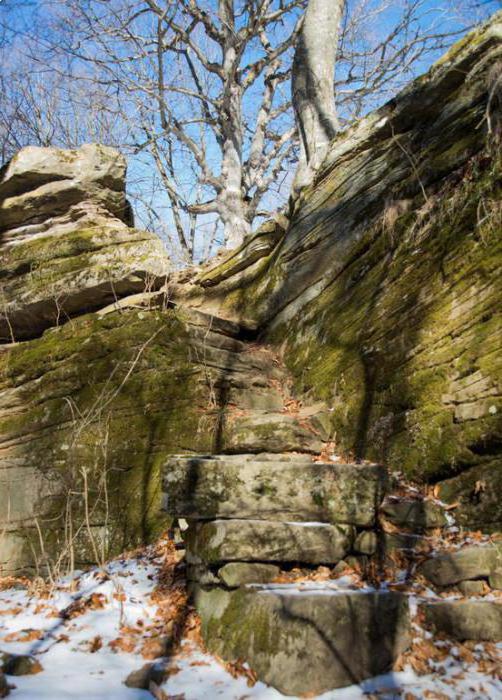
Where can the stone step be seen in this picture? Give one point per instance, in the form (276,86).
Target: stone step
(273,432)
(415,514)
(308,641)
(471,562)
(221,541)
(205,488)
(477,620)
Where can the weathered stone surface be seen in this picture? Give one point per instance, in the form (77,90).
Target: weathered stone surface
(478,620)
(414,514)
(307,642)
(267,540)
(241,573)
(386,305)
(115,393)
(66,244)
(217,487)
(468,563)
(476,491)
(19,664)
(272,433)
(366,542)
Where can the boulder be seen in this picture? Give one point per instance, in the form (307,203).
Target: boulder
(217,487)
(414,514)
(267,541)
(4,686)
(471,562)
(241,573)
(142,677)
(20,664)
(479,620)
(67,247)
(302,642)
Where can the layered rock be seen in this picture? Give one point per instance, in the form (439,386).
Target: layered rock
(385,291)
(66,245)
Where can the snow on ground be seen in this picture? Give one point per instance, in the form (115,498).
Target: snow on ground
(90,632)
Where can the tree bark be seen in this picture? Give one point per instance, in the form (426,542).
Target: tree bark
(312,84)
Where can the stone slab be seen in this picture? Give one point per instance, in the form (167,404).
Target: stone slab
(240,573)
(216,487)
(477,620)
(414,514)
(267,541)
(471,562)
(306,643)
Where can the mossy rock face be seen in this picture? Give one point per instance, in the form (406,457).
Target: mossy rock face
(306,642)
(404,346)
(388,307)
(90,412)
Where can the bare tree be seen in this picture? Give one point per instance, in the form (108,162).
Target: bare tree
(206,94)
(312,84)
(198,93)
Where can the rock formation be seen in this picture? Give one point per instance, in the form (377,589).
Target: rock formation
(365,322)
(384,293)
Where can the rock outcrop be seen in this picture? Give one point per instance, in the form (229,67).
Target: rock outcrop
(307,643)
(367,321)
(66,244)
(384,293)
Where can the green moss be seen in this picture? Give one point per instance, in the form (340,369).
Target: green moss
(114,397)
(411,314)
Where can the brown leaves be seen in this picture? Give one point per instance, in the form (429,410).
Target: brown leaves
(7,582)
(27,635)
(96,601)
(95,644)
(11,611)
(237,669)
(126,642)
(156,647)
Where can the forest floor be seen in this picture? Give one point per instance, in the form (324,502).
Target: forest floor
(89,631)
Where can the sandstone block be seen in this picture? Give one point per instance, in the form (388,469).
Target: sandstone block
(267,541)
(471,562)
(241,573)
(303,643)
(473,619)
(217,487)
(414,514)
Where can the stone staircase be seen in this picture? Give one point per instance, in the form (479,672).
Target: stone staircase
(269,506)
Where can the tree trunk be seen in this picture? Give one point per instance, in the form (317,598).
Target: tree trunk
(312,84)
(231,204)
